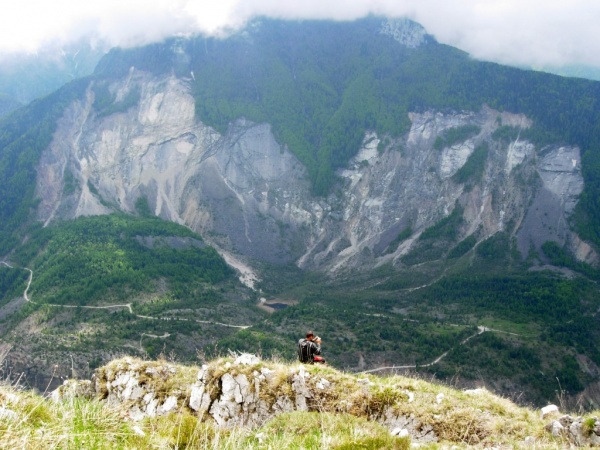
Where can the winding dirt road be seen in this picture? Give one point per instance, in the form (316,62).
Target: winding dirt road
(480,329)
(126,306)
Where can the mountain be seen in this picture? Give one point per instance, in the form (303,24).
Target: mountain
(377,185)
(27,76)
(8,104)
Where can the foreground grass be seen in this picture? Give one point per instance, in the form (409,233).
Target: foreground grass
(464,419)
(84,424)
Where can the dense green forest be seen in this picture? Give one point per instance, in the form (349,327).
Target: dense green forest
(93,259)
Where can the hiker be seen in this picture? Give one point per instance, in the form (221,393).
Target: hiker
(309,349)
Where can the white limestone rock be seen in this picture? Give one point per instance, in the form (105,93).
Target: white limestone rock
(322,384)
(138,431)
(73,388)
(247,359)
(548,410)
(400,432)
(7,415)
(169,405)
(301,389)
(557,429)
(199,398)
(477,391)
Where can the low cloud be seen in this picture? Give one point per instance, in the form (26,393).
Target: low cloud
(535,33)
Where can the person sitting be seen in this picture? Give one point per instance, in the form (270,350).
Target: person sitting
(309,349)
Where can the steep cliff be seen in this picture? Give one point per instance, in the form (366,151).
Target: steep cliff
(250,195)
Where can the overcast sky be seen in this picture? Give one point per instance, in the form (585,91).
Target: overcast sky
(521,32)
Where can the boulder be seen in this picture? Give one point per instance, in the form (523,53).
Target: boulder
(548,410)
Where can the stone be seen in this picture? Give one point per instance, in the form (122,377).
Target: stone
(548,410)
(128,390)
(247,359)
(136,414)
(121,380)
(477,391)
(148,397)
(196,395)
(322,384)
(203,373)
(566,420)
(227,405)
(137,392)
(301,389)
(73,388)
(12,398)
(169,405)
(7,414)
(266,372)
(152,407)
(439,398)
(241,391)
(400,432)
(557,429)
(283,404)
(138,431)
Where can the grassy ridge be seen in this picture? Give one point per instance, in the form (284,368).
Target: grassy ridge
(456,417)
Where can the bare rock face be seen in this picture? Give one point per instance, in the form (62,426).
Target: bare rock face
(405,31)
(249,195)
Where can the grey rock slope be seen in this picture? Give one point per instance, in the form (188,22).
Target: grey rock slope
(249,195)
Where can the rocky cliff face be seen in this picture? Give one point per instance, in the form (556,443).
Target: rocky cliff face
(249,195)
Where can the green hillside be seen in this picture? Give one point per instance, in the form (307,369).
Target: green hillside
(100,284)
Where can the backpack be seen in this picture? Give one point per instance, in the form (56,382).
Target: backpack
(304,351)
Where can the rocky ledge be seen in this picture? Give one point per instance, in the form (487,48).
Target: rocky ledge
(244,390)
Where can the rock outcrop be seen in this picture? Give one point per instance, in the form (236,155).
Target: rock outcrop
(244,391)
(577,430)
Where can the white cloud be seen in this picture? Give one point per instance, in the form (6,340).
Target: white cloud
(530,32)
